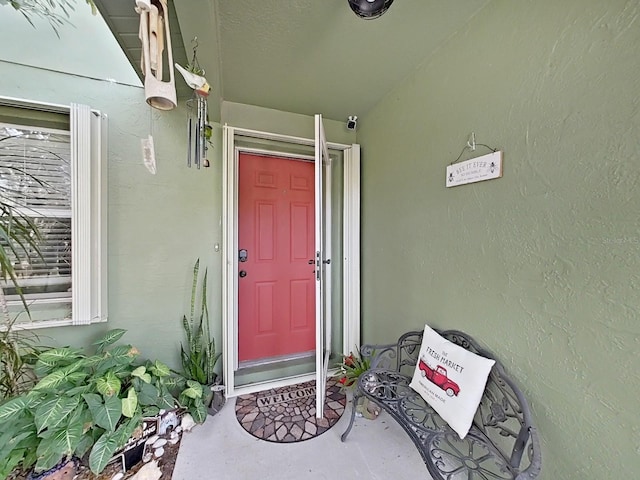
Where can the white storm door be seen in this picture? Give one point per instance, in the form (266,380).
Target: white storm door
(323,264)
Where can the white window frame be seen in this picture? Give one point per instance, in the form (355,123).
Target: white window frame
(88,130)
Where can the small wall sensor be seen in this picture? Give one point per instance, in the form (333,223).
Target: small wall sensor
(352,122)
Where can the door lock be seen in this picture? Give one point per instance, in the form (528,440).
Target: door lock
(243,255)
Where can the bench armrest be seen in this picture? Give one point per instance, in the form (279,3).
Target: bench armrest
(380,356)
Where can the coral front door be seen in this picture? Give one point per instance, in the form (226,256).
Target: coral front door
(276,272)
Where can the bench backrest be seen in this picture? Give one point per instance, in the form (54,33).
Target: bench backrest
(503,416)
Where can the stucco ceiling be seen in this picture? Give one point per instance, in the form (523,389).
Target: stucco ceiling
(303,56)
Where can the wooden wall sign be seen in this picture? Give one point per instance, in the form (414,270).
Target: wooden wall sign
(475,170)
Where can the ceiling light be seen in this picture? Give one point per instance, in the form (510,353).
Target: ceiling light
(369,9)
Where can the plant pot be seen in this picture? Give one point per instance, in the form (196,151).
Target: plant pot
(218,399)
(65,470)
(365,408)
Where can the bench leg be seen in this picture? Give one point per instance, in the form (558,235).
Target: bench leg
(354,402)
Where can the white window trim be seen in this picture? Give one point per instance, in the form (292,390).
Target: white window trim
(88,129)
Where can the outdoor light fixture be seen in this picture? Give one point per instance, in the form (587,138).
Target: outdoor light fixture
(369,9)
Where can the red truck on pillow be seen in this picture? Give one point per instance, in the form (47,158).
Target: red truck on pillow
(438,376)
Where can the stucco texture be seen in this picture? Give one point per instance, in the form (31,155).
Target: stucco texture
(158,225)
(541,265)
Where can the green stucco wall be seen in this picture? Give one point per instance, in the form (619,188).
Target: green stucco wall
(541,265)
(285,123)
(158,225)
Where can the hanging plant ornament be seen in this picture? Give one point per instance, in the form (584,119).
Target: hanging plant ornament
(199,132)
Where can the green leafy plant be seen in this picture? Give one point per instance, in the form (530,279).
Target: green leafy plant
(84,405)
(199,355)
(19,241)
(18,353)
(352,366)
(192,397)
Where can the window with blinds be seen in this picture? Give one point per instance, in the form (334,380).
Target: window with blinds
(53,177)
(35,180)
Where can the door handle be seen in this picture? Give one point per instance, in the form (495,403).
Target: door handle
(242,274)
(312,261)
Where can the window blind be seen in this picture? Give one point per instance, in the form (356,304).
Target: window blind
(35,180)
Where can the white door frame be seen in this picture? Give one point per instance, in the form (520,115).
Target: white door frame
(323,262)
(351,253)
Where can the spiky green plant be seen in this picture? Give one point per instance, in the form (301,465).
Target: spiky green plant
(199,355)
(19,239)
(19,235)
(18,353)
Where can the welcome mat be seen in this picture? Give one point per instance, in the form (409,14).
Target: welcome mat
(288,414)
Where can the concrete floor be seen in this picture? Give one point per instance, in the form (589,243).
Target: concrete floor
(221,449)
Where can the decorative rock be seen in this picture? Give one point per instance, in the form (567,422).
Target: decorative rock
(118,476)
(159,443)
(158,452)
(187,423)
(174,440)
(147,457)
(149,471)
(168,421)
(152,440)
(178,429)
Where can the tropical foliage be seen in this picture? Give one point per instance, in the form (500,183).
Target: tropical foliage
(199,355)
(19,240)
(352,366)
(86,404)
(18,352)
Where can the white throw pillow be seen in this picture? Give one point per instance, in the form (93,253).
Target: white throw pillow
(451,379)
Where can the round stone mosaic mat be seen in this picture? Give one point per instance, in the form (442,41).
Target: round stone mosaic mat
(288,414)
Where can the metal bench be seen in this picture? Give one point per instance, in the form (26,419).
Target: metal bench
(502,442)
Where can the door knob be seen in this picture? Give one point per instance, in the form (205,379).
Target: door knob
(242,274)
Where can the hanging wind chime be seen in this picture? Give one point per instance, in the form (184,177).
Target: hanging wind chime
(154,33)
(198,129)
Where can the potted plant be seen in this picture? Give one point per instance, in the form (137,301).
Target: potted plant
(199,356)
(351,367)
(84,406)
